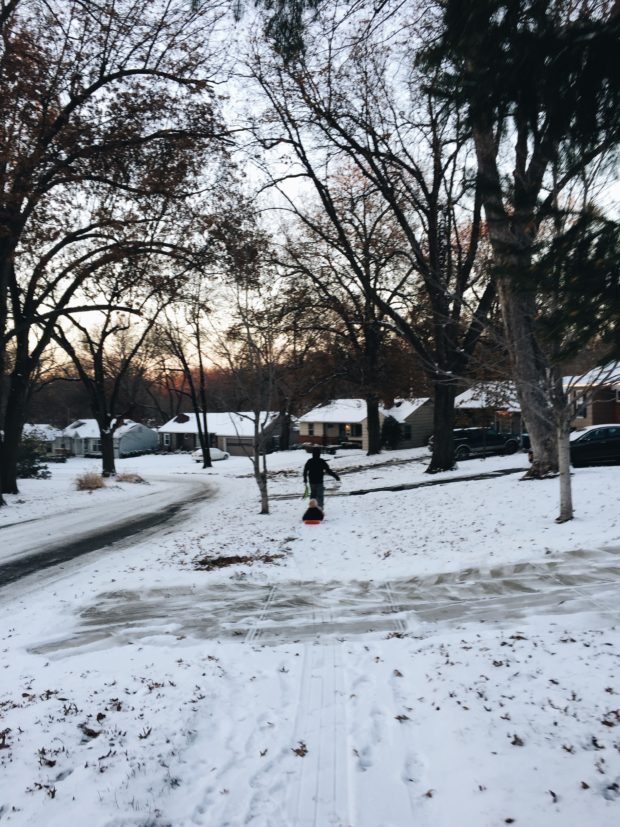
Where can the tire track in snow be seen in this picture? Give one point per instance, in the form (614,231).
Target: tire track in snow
(319,794)
(255,631)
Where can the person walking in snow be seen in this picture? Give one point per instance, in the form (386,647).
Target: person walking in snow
(314,471)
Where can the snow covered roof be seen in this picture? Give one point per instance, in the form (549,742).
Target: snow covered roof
(89,429)
(608,375)
(403,408)
(229,424)
(355,410)
(499,395)
(47,433)
(340,410)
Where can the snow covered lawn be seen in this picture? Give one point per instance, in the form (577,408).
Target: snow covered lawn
(437,656)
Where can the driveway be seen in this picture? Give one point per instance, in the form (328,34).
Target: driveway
(324,612)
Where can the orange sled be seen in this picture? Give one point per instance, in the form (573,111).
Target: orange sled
(313,522)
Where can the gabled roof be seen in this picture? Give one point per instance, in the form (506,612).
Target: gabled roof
(227,424)
(340,410)
(402,409)
(89,429)
(497,395)
(604,376)
(47,433)
(349,411)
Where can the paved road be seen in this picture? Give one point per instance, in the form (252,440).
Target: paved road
(34,545)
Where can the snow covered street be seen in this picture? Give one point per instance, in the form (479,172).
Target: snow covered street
(431,656)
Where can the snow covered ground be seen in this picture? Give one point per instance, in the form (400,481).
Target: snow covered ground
(436,656)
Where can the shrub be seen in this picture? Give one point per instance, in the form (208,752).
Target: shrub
(29,455)
(390,432)
(89,482)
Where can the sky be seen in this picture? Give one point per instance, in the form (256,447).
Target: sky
(435,656)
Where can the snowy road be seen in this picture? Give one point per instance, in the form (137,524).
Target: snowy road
(32,545)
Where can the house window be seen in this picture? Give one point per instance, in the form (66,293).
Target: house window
(95,445)
(311,429)
(166,440)
(406,431)
(356,430)
(581,408)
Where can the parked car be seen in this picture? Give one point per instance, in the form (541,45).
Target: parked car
(595,445)
(215,454)
(477,442)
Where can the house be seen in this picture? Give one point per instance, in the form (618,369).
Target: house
(346,421)
(415,420)
(82,439)
(343,420)
(595,396)
(230,431)
(46,435)
(493,404)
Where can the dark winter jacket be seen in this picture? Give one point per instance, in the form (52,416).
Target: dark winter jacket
(313,513)
(314,470)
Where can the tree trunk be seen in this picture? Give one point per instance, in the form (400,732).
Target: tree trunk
(259,463)
(6,264)
(14,418)
(107,452)
(443,426)
(512,234)
(204,439)
(285,430)
(566,495)
(261,480)
(374,425)
(532,376)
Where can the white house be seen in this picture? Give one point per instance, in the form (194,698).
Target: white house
(82,439)
(342,420)
(45,434)
(230,431)
(346,420)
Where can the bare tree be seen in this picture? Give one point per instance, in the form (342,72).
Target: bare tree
(347,262)
(95,99)
(251,351)
(184,339)
(103,354)
(340,101)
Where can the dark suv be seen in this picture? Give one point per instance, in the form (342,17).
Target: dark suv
(482,441)
(477,442)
